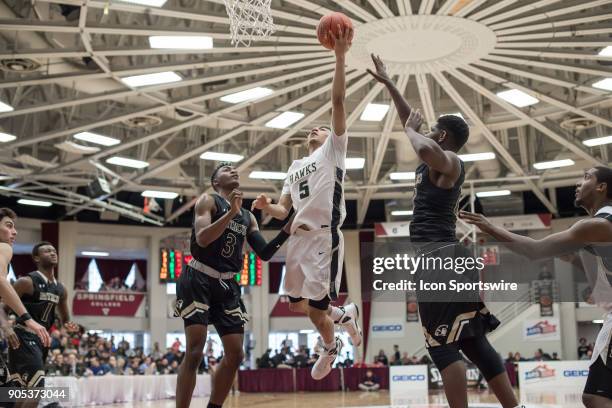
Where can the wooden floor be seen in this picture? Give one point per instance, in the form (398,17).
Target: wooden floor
(358,399)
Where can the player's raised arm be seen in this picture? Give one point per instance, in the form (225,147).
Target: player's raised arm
(429,151)
(265,250)
(561,243)
(207,231)
(280,211)
(342,43)
(381,75)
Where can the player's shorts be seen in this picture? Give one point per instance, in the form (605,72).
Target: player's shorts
(26,363)
(477,349)
(202,299)
(314,264)
(599,381)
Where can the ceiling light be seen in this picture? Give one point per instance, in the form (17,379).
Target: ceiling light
(151,79)
(268,175)
(94,253)
(605,84)
(248,95)
(374,112)
(598,141)
(495,193)
(97,139)
(606,52)
(184,42)
(152,3)
(477,156)
(124,161)
(170,195)
(36,203)
(5,108)
(598,321)
(221,157)
(399,213)
(553,164)
(518,98)
(284,120)
(354,163)
(406,175)
(6,137)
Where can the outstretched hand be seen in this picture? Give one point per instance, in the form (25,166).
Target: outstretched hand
(261,202)
(478,220)
(343,40)
(381,74)
(415,120)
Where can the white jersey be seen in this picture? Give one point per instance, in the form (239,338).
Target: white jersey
(316,185)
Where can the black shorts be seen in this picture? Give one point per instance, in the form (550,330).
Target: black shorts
(477,349)
(599,381)
(27,363)
(322,304)
(201,299)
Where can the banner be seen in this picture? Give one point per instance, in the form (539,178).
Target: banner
(472,375)
(108,304)
(412,309)
(568,375)
(542,329)
(392,229)
(406,379)
(387,328)
(522,222)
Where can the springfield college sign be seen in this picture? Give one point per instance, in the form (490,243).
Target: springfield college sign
(108,304)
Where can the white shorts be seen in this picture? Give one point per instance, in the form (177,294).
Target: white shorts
(314,264)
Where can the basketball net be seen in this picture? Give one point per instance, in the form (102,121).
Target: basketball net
(249,20)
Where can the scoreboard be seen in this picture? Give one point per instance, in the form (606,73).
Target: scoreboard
(174,261)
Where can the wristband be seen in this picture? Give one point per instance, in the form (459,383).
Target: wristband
(23,318)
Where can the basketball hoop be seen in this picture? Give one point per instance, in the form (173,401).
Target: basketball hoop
(249,20)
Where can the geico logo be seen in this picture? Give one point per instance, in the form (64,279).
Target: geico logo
(576,373)
(414,377)
(387,327)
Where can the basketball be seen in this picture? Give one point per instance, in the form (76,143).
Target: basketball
(329,23)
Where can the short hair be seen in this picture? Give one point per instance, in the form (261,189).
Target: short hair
(213,176)
(7,212)
(457,127)
(37,247)
(603,174)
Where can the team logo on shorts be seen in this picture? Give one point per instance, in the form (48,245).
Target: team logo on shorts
(441,331)
(419,178)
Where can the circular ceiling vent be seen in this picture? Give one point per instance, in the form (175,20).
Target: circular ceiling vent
(578,124)
(148,121)
(19,65)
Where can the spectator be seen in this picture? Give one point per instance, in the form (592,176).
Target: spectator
(176,346)
(405,359)
(348,362)
(96,368)
(396,359)
(156,353)
(382,358)
(588,355)
(555,356)
(583,348)
(510,358)
(370,382)
(518,357)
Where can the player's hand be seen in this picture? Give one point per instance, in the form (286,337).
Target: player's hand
(343,40)
(40,332)
(415,120)
(11,337)
(261,202)
(235,199)
(381,70)
(71,327)
(478,220)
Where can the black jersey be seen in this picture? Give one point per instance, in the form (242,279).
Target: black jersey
(225,253)
(435,208)
(603,251)
(41,304)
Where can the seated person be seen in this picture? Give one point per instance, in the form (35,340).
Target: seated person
(370,382)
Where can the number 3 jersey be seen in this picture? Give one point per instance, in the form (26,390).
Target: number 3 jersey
(41,304)
(225,253)
(316,185)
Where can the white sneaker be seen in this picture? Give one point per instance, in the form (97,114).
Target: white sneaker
(326,359)
(350,322)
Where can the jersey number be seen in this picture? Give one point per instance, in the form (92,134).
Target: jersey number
(230,243)
(45,316)
(304,190)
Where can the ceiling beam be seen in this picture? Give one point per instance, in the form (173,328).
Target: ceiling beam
(518,11)
(554,25)
(381,8)
(522,115)
(555,34)
(581,69)
(350,5)
(468,8)
(404,7)
(555,55)
(425,96)
(498,5)
(426,6)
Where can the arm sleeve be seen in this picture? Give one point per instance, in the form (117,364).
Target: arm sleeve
(266,250)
